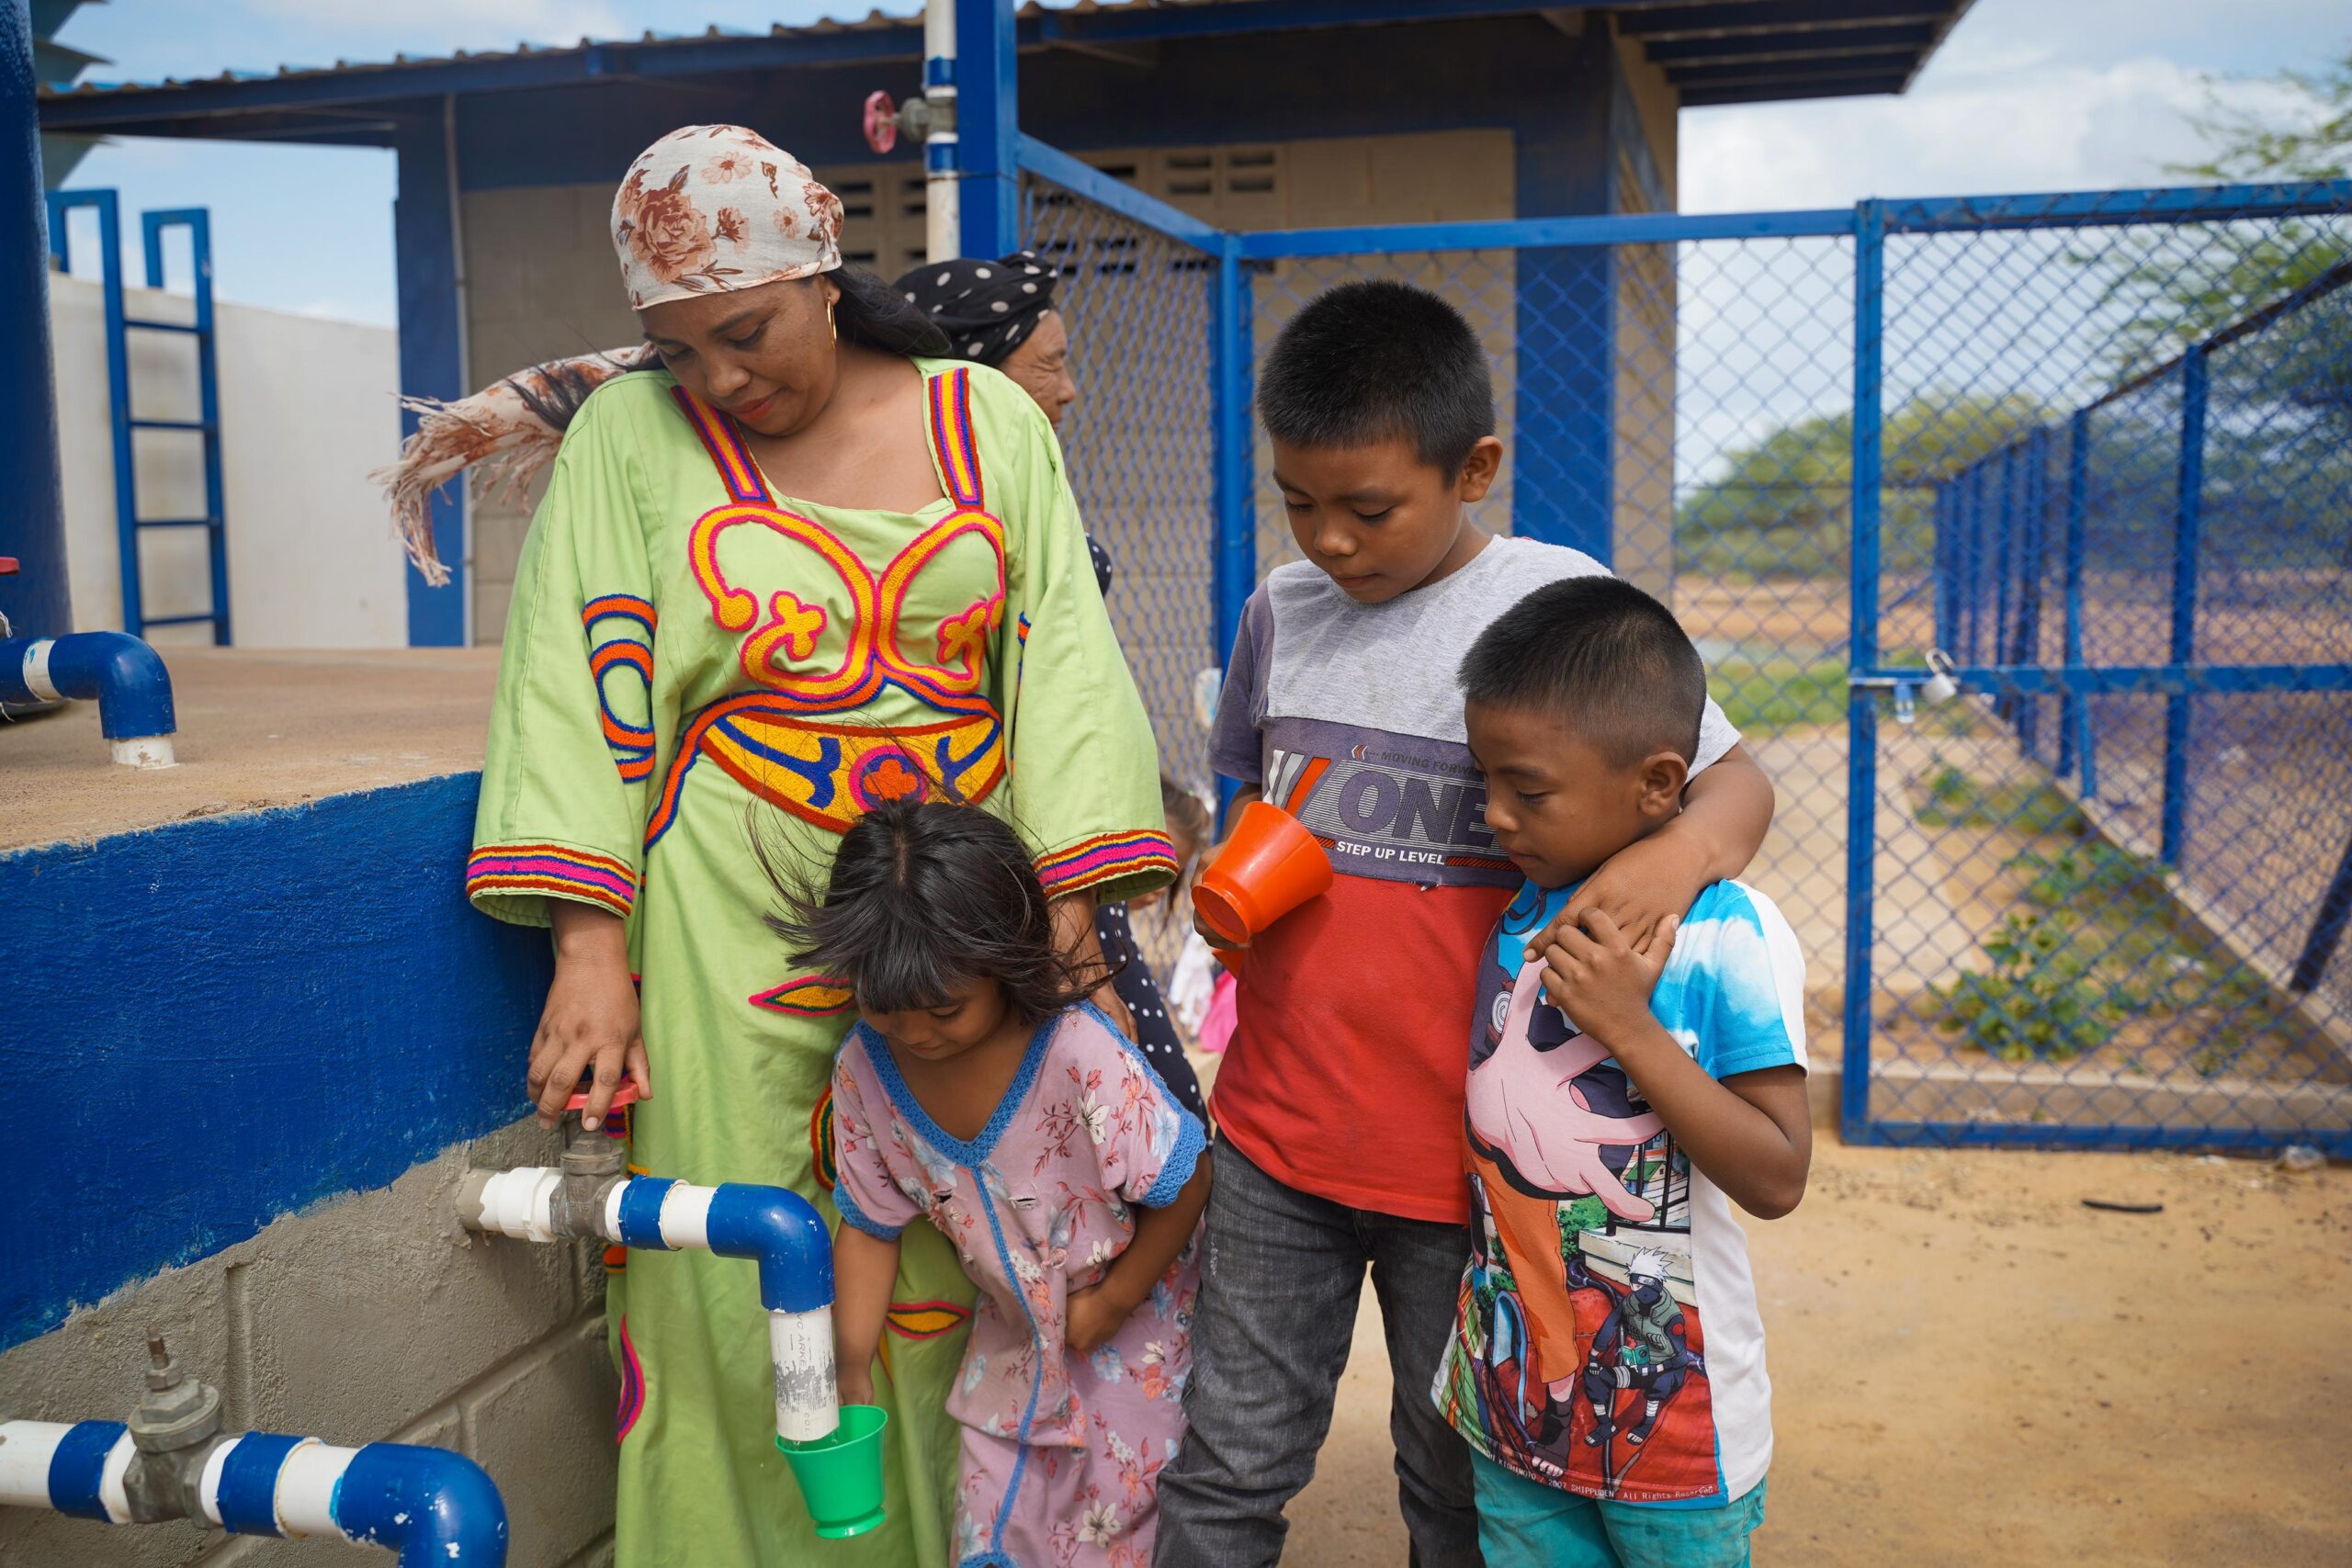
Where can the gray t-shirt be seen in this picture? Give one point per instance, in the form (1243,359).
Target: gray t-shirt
(1318,679)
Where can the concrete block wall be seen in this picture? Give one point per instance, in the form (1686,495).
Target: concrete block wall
(372,1318)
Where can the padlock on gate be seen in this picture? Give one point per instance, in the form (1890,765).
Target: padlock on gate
(1941,686)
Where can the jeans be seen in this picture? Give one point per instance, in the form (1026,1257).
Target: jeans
(1279,1280)
(1526,1525)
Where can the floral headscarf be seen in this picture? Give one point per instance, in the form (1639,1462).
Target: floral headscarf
(707,209)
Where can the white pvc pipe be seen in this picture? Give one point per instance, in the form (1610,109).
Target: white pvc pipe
(521,1203)
(685,1215)
(306,1486)
(145,751)
(26,1449)
(36,672)
(807,1402)
(111,1495)
(207,1485)
(942,201)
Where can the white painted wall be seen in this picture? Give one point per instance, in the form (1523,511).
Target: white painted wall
(307,407)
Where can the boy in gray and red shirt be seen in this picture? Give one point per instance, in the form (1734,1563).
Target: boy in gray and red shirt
(1339,1101)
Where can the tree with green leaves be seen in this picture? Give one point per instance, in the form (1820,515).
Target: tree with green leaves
(1782,506)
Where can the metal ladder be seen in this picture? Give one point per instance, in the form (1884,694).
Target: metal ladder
(196,220)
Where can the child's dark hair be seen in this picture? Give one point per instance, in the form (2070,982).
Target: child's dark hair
(925,899)
(1602,656)
(1367,362)
(1184,812)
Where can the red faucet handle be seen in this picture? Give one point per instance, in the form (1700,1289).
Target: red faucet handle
(881,122)
(625,1095)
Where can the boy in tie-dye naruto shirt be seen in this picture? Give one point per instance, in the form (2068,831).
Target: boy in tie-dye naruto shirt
(1607,1364)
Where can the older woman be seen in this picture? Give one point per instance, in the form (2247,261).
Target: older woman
(1000,313)
(801,567)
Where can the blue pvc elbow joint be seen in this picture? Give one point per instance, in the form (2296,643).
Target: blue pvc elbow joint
(125,676)
(437,1510)
(780,1229)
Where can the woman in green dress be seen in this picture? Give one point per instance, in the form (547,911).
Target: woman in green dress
(787,574)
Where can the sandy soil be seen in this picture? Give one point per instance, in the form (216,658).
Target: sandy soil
(1969,1367)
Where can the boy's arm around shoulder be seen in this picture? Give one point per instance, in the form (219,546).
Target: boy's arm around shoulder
(1727,812)
(1750,1132)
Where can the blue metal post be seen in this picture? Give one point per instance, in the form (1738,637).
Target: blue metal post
(198,224)
(2034,557)
(987,125)
(2189,505)
(125,493)
(1862,701)
(1947,547)
(2005,523)
(2327,926)
(2075,727)
(1972,560)
(1236,563)
(35,599)
(431,355)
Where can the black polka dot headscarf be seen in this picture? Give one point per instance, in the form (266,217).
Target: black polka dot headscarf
(988,309)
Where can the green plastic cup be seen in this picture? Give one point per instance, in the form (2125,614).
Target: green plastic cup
(840,1475)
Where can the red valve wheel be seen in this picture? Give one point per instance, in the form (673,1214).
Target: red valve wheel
(881,122)
(625,1095)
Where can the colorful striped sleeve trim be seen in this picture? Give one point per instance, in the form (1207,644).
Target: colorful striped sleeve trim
(1106,857)
(552,870)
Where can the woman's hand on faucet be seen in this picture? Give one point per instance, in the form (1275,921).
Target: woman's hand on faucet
(589,1023)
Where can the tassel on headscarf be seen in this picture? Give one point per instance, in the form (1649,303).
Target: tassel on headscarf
(507,433)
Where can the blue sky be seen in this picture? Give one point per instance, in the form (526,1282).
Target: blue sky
(2028,94)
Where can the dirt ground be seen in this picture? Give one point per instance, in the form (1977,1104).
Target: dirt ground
(1969,1367)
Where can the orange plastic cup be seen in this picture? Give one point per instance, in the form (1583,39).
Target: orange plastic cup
(1270,865)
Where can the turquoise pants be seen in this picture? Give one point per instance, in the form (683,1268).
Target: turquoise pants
(1522,1524)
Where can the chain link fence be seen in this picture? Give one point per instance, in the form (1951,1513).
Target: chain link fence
(1138,304)
(1682,411)
(2103,877)
(2101,890)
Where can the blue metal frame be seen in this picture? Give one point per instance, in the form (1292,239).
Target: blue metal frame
(2088,209)
(2187,535)
(1086,180)
(1535,233)
(1236,567)
(1993,512)
(109,207)
(119,325)
(36,597)
(425,245)
(1862,702)
(198,222)
(988,132)
(2076,743)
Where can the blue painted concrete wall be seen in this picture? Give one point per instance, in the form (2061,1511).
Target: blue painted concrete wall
(218,1022)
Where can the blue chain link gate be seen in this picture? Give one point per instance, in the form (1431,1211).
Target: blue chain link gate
(1838,442)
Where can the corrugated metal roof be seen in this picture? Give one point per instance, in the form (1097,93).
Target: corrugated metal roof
(873,21)
(1714,52)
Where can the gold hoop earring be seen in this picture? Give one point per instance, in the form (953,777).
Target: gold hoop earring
(829,325)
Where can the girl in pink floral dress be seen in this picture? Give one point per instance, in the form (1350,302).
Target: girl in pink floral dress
(981,1092)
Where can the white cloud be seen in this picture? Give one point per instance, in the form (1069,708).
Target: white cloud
(2049,126)
(2025,95)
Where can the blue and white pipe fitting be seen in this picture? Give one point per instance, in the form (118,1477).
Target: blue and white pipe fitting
(772,1225)
(432,1507)
(122,674)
